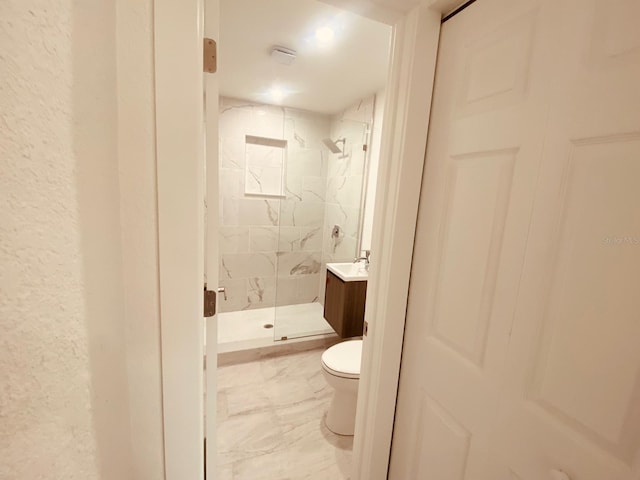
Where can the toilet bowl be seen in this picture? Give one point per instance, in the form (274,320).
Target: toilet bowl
(341,369)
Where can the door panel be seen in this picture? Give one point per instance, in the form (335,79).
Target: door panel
(483,156)
(572,390)
(496,66)
(476,200)
(521,346)
(443,440)
(587,269)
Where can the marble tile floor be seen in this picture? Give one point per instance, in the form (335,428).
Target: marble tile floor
(271,422)
(291,321)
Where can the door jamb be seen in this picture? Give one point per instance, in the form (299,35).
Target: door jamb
(404,138)
(178,34)
(178,37)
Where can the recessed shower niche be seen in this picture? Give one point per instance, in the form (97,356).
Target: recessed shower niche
(265,160)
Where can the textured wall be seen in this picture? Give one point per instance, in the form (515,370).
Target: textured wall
(64,409)
(45,429)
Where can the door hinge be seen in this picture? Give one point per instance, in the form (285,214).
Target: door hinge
(209,302)
(364,147)
(210,53)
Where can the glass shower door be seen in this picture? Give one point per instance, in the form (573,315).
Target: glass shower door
(250,148)
(299,310)
(319,216)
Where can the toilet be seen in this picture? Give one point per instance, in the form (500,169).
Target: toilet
(341,369)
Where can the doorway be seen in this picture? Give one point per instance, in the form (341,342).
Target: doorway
(178,114)
(295,129)
(297,114)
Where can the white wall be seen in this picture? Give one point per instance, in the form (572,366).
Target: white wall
(94,130)
(79,331)
(372,174)
(139,217)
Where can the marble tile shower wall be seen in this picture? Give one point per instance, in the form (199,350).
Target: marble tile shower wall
(344,184)
(271,247)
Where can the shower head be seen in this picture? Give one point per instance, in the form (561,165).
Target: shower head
(333,146)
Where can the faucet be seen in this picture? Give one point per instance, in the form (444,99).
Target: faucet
(367,254)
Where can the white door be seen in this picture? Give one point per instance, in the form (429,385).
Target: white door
(211,89)
(522,343)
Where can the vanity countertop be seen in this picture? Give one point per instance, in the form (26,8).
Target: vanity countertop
(349,272)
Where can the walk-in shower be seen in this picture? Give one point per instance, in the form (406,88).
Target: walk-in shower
(282,196)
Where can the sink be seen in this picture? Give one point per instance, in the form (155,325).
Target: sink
(349,272)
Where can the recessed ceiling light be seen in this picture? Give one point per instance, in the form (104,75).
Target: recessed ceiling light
(324,34)
(277,94)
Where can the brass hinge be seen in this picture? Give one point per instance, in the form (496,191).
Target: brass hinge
(209,302)
(210,53)
(364,147)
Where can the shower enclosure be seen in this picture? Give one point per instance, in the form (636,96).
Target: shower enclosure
(291,186)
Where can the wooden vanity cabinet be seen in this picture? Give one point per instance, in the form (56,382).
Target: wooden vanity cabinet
(344,305)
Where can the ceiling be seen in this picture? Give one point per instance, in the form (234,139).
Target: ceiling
(326,77)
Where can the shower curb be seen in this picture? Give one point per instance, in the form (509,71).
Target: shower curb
(281,347)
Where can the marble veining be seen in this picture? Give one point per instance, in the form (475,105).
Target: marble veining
(295,290)
(290,193)
(308,237)
(256,290)
(265,166)
(254,174)
(263,238)
(245,265)
(271,422)
(271,213)
(233,239)
(282,191)
(226,270)
(300,238)
(238,106)
(231,153)
(306,267)
(299,140)
(298,263)
(289,239)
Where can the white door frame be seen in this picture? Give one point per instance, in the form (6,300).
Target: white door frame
(178,32)
(404,138)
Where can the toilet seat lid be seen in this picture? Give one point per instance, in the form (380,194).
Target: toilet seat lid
(344,357)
